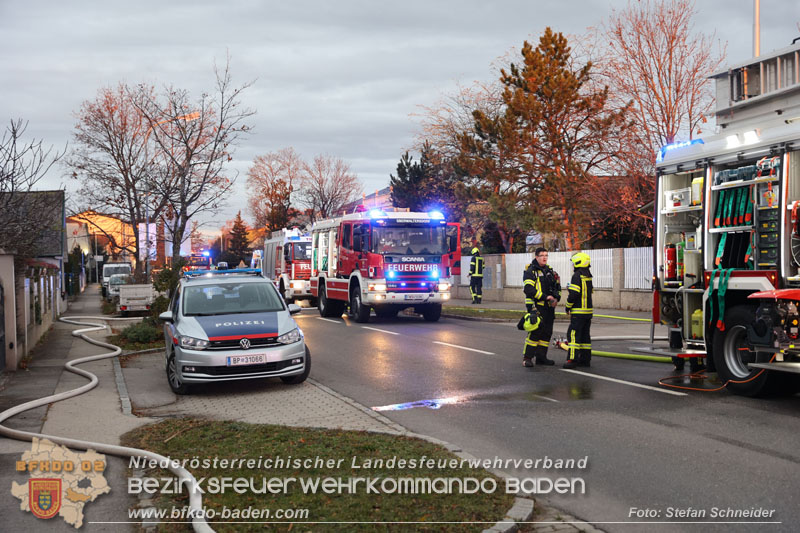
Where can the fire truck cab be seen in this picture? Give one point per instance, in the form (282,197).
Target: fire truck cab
(384,260)
(727,241)
(286,260)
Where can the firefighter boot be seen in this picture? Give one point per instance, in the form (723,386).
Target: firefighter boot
(541,357)
(570,364)
(527,362)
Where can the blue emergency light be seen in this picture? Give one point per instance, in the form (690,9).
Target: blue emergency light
(391,274)
(436,215)
(377,213)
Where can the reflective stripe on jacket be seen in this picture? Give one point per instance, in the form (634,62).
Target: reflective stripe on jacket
(476,266)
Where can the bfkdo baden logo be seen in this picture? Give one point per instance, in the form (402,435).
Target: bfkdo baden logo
(60,483)
(44,496)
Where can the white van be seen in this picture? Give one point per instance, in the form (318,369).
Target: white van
(109,269)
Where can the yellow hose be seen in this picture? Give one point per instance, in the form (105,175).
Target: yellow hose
(616,355)
(617,317)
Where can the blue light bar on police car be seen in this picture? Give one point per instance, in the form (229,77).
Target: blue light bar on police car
(199,273)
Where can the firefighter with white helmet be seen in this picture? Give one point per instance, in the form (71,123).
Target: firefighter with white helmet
(579,308)
(476,276)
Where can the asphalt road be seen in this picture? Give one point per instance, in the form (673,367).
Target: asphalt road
(647,448)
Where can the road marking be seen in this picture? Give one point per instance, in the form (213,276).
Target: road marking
(381,330)
(463,347)
(545,398)
(648,387)
(329,320)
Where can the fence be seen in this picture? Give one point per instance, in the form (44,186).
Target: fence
(638,268)
(602,267)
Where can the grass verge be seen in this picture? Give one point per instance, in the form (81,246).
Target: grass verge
(190,438)
(506,314)
(128,346)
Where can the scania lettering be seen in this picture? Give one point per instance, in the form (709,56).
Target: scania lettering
(727,232)
(386,261)
(287,262)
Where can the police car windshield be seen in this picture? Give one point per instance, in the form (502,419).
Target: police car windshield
(302,250)
(230,298)
(409,240)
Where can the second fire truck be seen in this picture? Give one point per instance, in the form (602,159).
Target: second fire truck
(384,260)
(287,261)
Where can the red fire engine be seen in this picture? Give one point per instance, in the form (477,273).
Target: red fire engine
(386,261)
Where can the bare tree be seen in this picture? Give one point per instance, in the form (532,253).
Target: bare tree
(271,181)
(653,60)
(22,166)
(195,139)
(111,161)
(656,60)
(327,185)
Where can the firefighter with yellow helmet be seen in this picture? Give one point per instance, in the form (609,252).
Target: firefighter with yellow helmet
(579,309)
(476,276)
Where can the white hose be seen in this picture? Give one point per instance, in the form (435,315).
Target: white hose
(195,497)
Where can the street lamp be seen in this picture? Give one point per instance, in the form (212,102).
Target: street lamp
(188,118)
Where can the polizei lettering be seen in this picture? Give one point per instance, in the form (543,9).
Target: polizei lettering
(413,267)
(239,323)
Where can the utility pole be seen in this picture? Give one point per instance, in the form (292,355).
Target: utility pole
(756,28)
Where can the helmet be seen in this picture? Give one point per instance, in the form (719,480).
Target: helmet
(580,259)
(475,251)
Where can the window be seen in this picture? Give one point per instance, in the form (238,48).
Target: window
(347,241)
(230,298)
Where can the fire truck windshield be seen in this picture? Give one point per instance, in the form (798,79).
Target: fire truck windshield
(302,251)
(409,240)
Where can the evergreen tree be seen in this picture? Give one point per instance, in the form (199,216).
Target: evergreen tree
(239,243)
(534,162)
(410,187)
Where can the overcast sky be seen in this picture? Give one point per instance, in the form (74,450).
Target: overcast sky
(331,77)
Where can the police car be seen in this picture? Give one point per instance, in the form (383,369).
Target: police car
(231,325)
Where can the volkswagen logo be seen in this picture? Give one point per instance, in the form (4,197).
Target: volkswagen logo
(245,344)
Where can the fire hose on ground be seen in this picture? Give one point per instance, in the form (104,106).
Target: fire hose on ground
(195,497)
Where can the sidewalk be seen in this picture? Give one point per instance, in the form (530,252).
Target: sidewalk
(104,414)
(456,302)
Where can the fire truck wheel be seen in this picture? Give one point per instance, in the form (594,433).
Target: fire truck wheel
(733,353)
(432,312)
(329,308)
(358,311)
(299,378)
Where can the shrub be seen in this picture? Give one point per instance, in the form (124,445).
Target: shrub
(159,305)
(144,332)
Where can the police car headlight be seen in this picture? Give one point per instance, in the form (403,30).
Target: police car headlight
(192,343)
(290,337)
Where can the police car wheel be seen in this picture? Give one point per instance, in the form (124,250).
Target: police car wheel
(175,383)
(299,378)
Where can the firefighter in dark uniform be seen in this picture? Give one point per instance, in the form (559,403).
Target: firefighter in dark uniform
(542,288)
(476,276)
(579,308)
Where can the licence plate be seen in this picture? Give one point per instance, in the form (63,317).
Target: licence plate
(249,359)
(415,296)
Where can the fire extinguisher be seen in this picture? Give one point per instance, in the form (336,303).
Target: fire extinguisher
(670,263)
